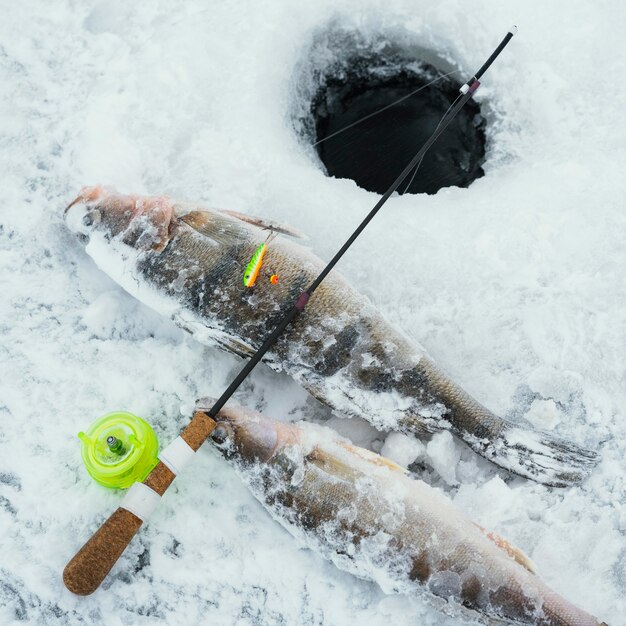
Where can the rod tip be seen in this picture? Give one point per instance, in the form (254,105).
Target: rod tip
(513,30)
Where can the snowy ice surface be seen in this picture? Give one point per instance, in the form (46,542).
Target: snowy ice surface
(515,286)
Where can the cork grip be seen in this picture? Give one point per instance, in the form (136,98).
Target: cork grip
(89,567)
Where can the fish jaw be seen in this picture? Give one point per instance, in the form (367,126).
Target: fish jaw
(142,222)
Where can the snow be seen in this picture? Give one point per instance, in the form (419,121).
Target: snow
(402,449)
(515,286)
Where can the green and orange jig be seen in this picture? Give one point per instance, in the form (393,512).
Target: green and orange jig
(254,267)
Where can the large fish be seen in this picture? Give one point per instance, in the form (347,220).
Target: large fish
(370,518)
(189,263)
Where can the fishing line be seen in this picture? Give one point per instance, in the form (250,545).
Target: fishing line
(443,117)
(412,177)
(388,106)
(340,152)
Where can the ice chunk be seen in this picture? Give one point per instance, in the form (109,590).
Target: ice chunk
(402,449)
(444,456)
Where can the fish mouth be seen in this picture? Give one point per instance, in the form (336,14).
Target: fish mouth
(81,213)
(245,433)
(74,221)
(225,432)
(86,195)
(70,205)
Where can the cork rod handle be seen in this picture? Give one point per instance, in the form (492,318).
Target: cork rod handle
(89,567)
(91,564)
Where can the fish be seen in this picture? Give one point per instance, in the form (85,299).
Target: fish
(368,516)
(186,262)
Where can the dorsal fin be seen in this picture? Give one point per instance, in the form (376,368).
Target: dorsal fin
(213,225)
(510,549)
(330,464)
(265,224)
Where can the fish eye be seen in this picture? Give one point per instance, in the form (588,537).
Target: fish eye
(93,217)
(220,434)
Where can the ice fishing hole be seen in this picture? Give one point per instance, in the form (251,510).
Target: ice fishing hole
(375,151)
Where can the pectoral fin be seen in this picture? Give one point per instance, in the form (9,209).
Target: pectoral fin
(213,225)
(332,466)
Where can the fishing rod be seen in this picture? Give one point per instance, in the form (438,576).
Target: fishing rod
(88,568)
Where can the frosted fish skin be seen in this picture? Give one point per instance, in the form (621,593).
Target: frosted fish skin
(341,350)
(365,514)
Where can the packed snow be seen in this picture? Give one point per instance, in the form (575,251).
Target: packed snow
(515,286)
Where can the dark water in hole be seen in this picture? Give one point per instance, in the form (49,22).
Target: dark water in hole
(375,151)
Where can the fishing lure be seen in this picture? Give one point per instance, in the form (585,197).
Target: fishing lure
(254,267)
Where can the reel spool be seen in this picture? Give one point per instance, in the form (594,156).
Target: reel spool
(119,449)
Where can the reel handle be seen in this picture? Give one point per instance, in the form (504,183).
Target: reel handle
(89,567)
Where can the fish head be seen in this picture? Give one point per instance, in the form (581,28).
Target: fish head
(249,437)
(143,222)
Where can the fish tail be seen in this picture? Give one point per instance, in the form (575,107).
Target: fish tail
(522,450)
(535,454)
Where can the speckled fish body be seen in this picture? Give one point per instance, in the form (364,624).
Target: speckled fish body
(187,263)
(367,515)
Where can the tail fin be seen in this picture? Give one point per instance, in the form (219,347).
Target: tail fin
(538,455)
(530,453)
(521,450)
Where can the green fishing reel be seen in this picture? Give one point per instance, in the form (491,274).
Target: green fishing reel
(119,449)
